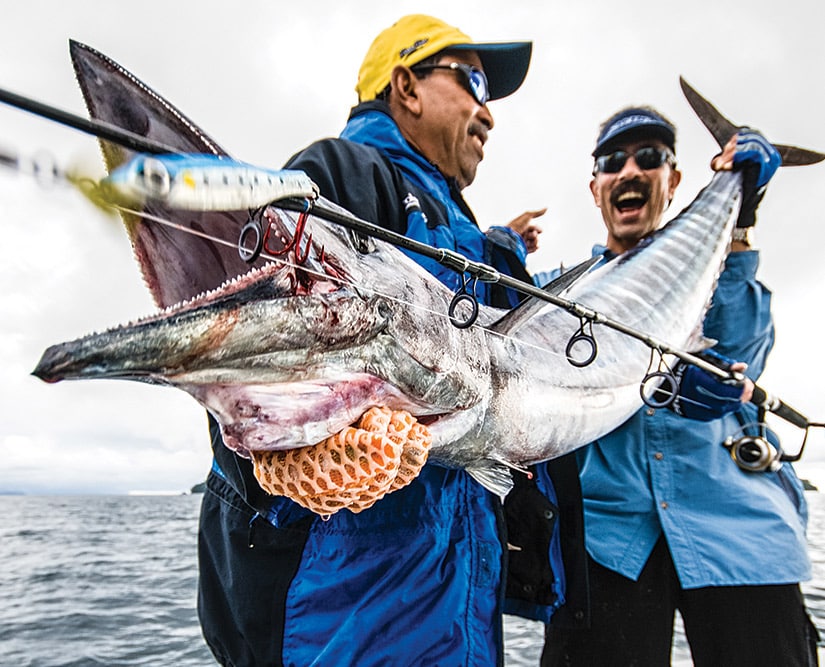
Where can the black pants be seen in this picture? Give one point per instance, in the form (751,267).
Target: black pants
(246,566)
(632,622)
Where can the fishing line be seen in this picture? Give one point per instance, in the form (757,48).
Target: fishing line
(461,264)
(370,290)
(449,259)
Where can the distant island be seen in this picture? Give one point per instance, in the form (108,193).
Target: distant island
(200,487)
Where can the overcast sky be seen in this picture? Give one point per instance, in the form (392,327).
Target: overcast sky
(266,78)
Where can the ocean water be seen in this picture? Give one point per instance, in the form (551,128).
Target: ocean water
(111,580)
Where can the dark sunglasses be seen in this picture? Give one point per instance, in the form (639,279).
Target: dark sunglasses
(474,80)
(646,158)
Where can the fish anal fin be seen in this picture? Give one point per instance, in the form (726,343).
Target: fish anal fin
(494,476)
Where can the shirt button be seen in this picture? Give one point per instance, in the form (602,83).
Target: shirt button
(650,412)
(663,505)
(658,456)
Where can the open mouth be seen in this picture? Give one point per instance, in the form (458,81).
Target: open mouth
(630,196)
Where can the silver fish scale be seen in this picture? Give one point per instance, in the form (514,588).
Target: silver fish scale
(662,289)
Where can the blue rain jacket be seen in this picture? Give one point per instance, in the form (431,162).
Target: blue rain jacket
(417,579)
(661,473)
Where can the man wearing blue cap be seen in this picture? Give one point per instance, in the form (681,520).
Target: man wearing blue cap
(671,521)
(418,578)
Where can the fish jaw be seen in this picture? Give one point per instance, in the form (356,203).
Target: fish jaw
(280,369)
(261,417)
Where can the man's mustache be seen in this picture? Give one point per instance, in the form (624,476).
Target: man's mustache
(635,185)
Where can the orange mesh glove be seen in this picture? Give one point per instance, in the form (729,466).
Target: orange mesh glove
(352,469)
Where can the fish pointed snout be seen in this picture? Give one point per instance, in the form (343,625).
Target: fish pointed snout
(47,367)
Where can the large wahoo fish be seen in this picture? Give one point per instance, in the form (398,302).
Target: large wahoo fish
(286,354)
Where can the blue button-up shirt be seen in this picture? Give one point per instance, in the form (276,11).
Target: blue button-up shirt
(659,473)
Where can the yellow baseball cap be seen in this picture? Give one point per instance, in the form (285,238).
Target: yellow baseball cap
(416,37)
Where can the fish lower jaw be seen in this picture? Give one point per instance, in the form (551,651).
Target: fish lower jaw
(264,417)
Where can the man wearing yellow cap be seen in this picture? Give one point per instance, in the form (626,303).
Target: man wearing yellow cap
(416,579)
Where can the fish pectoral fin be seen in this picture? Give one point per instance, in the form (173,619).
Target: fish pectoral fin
(698,342)
(493,476)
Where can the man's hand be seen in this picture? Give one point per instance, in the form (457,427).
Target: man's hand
(704,396)
(753,149)
(524,226)
(747,385)
(758,159)
(749,148)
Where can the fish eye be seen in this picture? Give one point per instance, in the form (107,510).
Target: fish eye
(155,177)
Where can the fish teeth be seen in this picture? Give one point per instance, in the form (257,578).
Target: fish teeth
(253,274)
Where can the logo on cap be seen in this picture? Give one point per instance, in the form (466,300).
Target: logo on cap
(403,53)
(632,120)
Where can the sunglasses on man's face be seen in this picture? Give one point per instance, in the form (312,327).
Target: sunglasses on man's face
(473,79)
(646,158)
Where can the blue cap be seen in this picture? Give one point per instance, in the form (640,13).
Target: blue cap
(631,123)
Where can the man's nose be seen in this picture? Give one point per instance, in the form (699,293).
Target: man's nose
(630,168)
(485,116)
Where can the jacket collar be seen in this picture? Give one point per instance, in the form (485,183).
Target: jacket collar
(371,124)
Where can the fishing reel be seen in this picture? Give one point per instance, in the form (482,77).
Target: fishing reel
(755,453)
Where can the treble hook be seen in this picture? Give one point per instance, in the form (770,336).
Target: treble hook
(296,238)
(469,300)
(582,336)
(261,239)
(660,395)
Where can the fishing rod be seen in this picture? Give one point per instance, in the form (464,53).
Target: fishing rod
(449,259)
(751,448)
(94,127)
(461,264)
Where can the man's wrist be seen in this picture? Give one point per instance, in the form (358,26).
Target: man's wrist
(742,238)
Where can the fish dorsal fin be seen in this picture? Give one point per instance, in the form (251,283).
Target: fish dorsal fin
(176,265)
(516,318)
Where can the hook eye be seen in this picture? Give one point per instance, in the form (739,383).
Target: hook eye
(753,453)
(584,341)
(466,316)
(247,255)
(658,395)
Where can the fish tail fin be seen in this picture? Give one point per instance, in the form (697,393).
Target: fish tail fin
(722,129)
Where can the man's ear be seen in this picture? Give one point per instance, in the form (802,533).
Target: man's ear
(673,182)
(405,88)
(595,192)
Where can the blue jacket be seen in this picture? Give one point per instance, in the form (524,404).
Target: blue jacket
(662,474)
(417,579)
